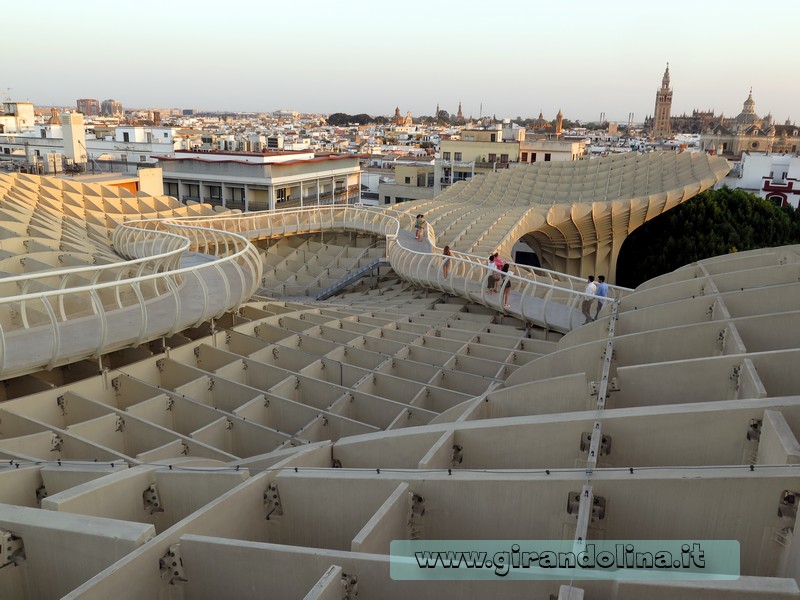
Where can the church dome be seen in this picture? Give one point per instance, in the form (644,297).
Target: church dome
(748,115)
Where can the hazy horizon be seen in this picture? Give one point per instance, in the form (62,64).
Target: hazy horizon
(355,57)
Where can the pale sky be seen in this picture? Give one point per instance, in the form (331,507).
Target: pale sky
(515,57)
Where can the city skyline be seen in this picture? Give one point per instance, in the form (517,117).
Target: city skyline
(358,57)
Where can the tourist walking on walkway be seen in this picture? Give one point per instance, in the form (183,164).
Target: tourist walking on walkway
(419,223)
(506,284)
(602,294)
(586,306)
(494,275)
(446,261)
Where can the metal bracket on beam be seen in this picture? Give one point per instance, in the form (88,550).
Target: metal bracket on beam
(272,501)
(416,510)
(151,500)
(458,455)
(349,586)
(12,550)
(171,565)
(41,494)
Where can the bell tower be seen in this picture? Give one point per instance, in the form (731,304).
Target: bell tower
(661,123)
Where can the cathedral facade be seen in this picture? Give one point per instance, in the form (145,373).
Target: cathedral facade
(748,132)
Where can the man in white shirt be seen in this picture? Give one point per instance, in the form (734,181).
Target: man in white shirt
(602,295)
(586,306)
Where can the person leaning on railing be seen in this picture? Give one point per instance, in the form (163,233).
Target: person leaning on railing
(505,286)
(494,275)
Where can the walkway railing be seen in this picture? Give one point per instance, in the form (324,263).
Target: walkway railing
(181,272)
(536,274)
(540,296)
(175,276)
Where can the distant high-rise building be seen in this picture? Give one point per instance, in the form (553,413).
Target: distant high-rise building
(88,107)
(661,123)
(111,107)
(559,123)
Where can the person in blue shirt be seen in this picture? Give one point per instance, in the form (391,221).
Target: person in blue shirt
(601,293)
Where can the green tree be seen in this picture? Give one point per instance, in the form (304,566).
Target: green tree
(713,223)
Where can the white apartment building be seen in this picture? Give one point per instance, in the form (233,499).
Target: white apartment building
(40,147)
(535,149)
(259,181)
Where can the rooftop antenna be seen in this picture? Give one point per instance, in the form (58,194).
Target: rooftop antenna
(480,113)
(8,94)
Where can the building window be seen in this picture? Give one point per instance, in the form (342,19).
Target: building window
(504,158)
(408,180)
(493,137)
(754,145)
(533,156)
(281,195)
(387,199)
(126,136)
(546,157)
(446,155)
(524,157)
(44,133)
(458,156)
(492,157)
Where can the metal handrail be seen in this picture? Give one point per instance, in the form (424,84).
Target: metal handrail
(175,247)
(234,257)
(409,263)
(615,291)
(415,265)
(226,238)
